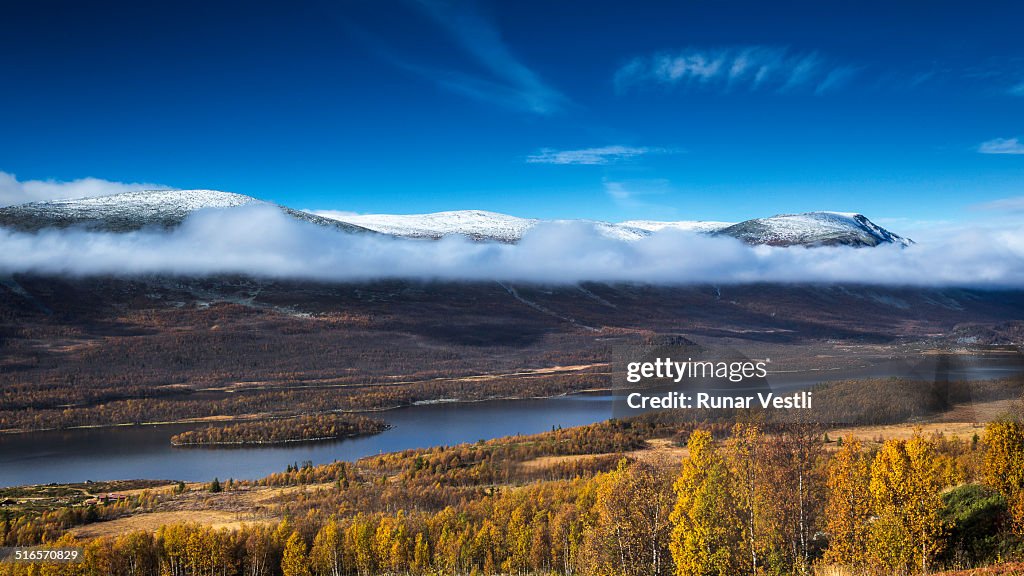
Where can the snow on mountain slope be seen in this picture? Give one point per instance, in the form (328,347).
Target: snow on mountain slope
(618,231)
(134,210)
(686,225)
(475,224)
(168,208)
(181,201)
(813,229)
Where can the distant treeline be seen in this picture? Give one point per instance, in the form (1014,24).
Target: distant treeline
(303,428)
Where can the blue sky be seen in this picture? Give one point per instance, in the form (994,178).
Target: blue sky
(910,112)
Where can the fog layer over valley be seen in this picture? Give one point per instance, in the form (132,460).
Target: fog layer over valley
(262,241)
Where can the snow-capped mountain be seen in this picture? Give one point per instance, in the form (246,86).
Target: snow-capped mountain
(813,229)
(135,210)
(168,208)
(810,229)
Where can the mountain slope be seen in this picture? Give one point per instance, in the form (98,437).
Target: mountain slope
(169,208)
(476,224)
(482,225)
(813,229)
(135,210)
(810,229)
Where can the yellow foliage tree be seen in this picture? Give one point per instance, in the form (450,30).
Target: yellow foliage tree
(1004,465)
(328,550)
(632,523)
(295,561)
(421,555)
(906,484)
(359,540)
(707,534)
(848,507)
(745,451)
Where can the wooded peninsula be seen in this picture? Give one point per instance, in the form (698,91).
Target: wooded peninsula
(302,429)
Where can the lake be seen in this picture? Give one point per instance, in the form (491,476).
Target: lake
(129,452)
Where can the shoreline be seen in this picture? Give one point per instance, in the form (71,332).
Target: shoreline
(256,418)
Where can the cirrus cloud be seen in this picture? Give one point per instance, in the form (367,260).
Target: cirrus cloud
(593,156)
(747,68)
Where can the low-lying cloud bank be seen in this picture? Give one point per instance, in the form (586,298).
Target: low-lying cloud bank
(14,191)
(262,241)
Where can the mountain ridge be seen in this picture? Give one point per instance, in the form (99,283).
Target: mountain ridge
(129,211)
(813,229)
(167,209)
(822,228)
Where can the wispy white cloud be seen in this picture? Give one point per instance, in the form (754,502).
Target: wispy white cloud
(594,156)
(1002,146)
(635,193)
(617,191)
(1015,204)
(1017,90)
(509,81)
(14,191)
(748,68)
(835,79)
